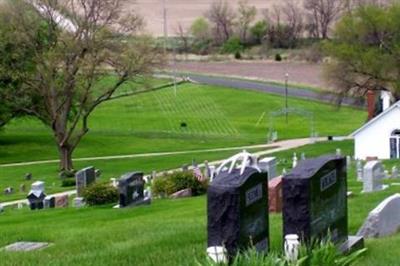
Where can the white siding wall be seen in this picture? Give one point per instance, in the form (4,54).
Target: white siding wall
(374,139)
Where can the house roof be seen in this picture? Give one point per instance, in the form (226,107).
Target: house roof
(375,119)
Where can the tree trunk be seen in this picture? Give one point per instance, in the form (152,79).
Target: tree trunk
(65,153)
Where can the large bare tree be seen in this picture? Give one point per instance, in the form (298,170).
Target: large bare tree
(246,15)
(222,17)
(322,14)
(88,50)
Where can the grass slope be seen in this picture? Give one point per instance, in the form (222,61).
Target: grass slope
(169,232)
(215,117)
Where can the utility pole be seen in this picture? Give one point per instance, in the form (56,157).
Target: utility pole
(165,26)
(286,97)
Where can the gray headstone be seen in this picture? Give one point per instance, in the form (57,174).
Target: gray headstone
(294,162)
(384,220)
(360,171)
(8,191)
(338,152)
(79,202)
(49,202)
(268,165)
(97,173)
(395,172)
(28,176)
(348,161)
(373,176)
(84,178)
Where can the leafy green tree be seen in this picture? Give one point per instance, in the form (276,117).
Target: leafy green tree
(365,51)
(90,50)
(200,29)
(259,30)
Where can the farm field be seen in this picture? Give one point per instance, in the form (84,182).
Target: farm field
(180,11)
(143,235)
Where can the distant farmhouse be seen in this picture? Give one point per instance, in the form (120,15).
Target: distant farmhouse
(380,137)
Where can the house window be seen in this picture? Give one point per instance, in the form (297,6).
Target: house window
(395,144)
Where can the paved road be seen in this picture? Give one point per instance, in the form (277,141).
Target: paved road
(269,88)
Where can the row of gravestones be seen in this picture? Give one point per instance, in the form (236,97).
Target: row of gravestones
(314,207)
(130,187)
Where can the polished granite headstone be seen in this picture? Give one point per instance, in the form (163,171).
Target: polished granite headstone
(131,190)
(315,199)
(36,196)
(238,210)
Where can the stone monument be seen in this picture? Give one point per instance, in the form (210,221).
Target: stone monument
(36,195)
(62,201)
(275,194)
(49,202)
(131,190)
(268,165)
(373,176)
(84,178)
(315,202)
(384,220)
(237,201)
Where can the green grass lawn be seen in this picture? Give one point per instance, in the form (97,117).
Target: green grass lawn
(169,232)
(215,117)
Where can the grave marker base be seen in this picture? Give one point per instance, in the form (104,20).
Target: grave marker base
(145,201)
(352,244)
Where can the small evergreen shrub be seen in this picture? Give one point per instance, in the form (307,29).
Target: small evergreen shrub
(100,194)
(68,182)
(278,57)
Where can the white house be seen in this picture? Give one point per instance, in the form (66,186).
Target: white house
(380,137)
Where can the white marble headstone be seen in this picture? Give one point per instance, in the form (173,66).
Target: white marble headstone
(373,176)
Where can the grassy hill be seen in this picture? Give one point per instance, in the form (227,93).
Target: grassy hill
(169,232)
(215,117)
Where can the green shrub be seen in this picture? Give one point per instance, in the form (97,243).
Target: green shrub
(100,194)
(259,30)
(171,183)
(232,46)
(238,55)
(278,57)
(67,174)
(68,182)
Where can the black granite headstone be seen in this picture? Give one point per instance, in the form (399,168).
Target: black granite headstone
(315,199)
(36,201)
(238,211)
(131,189)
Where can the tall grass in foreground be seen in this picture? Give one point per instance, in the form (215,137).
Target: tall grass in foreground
(324,253)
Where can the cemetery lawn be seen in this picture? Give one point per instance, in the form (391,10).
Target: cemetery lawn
(169,232)
(15,176)
(215,117)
